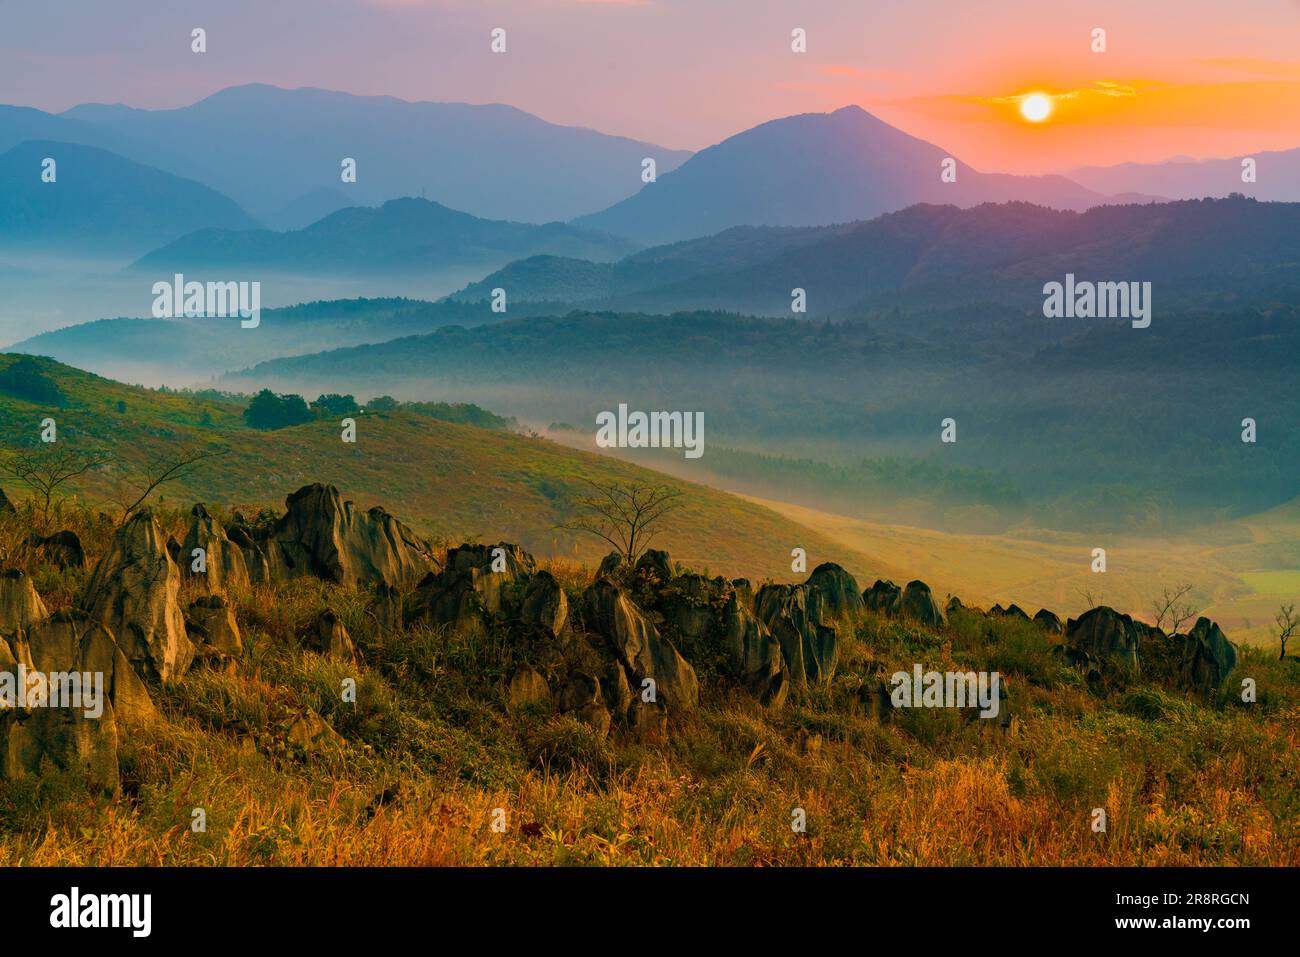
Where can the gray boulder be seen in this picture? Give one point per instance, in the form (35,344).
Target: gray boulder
(223,561)
(20,606)
(638,646)
(1208,656)
(133,590)
(753,655)
(74,732)
(1106,641)
(917,603)
(836,592)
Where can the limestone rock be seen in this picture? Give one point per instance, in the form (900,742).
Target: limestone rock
(638,645)
(753,655)
(883,597)
(323,536)
(212,623)
(133,590)
(1049,622)
(837,592)
(330,638)
(528,689)
(1104,640)
(73,732)
(917,603)
(1208,656)
(226,568)
(545,605)
(20,606)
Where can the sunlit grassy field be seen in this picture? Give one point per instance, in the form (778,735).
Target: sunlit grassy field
(415,770)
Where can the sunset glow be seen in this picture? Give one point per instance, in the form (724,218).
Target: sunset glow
(1036,107)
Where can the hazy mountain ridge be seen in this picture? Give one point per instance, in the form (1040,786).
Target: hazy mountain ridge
(402,235)
(491,160)
(816,169)
(1240,250)
(101,200)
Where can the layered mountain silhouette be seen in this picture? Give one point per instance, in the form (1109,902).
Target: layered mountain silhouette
(266,147)
(812,170)
(403,235)
(100,200)
(1277,177)
(1239,249)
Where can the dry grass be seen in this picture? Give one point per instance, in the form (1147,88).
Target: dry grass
(430,750)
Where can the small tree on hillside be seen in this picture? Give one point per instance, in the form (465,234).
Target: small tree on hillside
(1172,609)
(47,469)
(1287,622)
(164,467)
(626,516)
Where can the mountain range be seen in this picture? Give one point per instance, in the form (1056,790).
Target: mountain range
(1238,249)
(268,147)
(402,235)
(1276,177)
(816,169)
(98,199)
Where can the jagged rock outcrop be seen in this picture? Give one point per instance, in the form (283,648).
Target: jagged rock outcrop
(753,654)
(223,563)
(497,568)
(1012,611)
(1048,621)
(133,590)
(638,646)
(917,603)
(610,565)
(655,567)
(1104,641)
(883,597)
(809,647)
(836,593)
(330,638)
(210,622)
(311,734)
(479,581)
(323,536)
(582,697)
(82,721)
(1208,656)
(386,608)
(6,506)
(691,605)
(20,606)
(545,605)
(62,549)
(528,689)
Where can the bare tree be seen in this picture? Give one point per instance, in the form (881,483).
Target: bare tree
(1172,609)
(1287,622)
(45,470)
(626,516)
(164,467)
(1086,595)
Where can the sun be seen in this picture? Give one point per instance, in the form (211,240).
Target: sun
(1036,107)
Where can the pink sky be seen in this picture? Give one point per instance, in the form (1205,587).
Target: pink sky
(1179,77)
